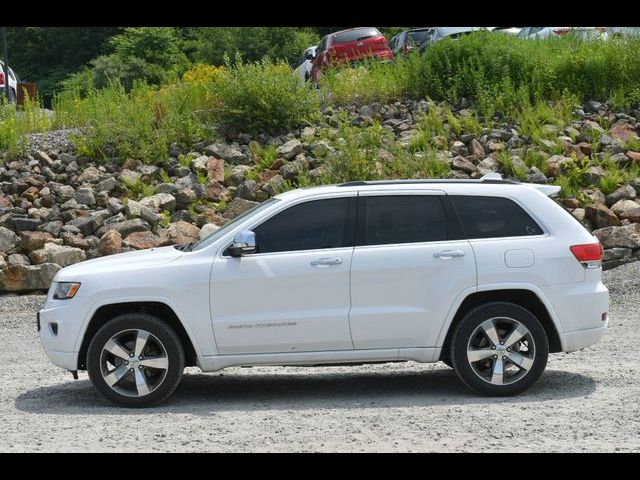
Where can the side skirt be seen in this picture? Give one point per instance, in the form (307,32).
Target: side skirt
(218,362)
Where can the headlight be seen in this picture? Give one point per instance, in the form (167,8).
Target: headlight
(66,290)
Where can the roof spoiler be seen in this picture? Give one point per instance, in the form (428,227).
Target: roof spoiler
(548,190)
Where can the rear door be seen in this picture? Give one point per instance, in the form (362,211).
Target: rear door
(409,264)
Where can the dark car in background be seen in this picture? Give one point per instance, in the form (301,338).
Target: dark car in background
(348,46)
(406,41)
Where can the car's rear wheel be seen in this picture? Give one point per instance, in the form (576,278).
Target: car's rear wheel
(499,349)
(135,360)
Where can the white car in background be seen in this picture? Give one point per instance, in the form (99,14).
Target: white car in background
(547,32)
(488,276)
(512,31)
(13,82)
(303,71)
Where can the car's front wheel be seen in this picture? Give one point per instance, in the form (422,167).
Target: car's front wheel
(135,360)
(499,349)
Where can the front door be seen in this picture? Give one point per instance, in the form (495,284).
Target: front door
(293,295)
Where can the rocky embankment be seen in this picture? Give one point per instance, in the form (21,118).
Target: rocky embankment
(58,207)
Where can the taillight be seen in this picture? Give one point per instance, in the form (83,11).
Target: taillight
(590,254)
(561,30)
(1,78)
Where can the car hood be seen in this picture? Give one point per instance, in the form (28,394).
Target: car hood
(120,262)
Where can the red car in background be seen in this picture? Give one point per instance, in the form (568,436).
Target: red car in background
(347,46)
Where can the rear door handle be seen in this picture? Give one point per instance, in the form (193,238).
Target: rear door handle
(445,254)
(325,262)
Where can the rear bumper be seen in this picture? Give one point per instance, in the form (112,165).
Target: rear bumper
(579,339)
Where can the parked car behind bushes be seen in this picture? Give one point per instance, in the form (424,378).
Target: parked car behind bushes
(512,31)
(408,40)
(548,32)
(303,70)
(13,82)
(438,33)
(347,46)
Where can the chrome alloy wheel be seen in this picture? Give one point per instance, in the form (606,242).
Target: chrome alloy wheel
(501,351)
(134,362)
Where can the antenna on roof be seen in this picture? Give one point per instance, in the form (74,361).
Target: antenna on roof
(491,176)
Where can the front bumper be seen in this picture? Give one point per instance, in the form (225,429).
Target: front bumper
(60,325)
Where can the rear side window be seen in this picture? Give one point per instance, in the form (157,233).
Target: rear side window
(311,225)
(417,37)
(493,217)
(399,219)
(356,35)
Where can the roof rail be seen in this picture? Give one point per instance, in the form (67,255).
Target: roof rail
(489,178)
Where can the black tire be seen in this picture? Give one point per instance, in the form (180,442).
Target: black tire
(462,336)
(158,328)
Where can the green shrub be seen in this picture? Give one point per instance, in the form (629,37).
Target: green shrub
(264,97)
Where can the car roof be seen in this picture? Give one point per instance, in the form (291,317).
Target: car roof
(454,30)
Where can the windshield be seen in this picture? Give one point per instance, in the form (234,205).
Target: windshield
(232,224)
(417,36)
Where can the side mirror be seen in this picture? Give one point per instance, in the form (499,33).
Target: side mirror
(310,56)
(244,243)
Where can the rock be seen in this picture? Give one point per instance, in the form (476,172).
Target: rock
(18,259)
(8,240)
(535,175)
(557,164)
(238,206)
(291,170)
(495,146)
(215,169)
(54,228)
(129,176)
(184,197)
(179,231)
(160,201)
(142,240)
(228,153)
(137,209)
(58,254)
(25,224)
(110,243)
(461,163)
(476,149)
(125,228)
(75,240)
(290,149)
(207,230)
(30,193)
(622,130)
(90,175)
(627,236)
(273,185)
(85,196)
(592,128)
(459,148)
(30,241)
(216,192)
(601,216)
(626,192)
(627,210)
(21,278)
(107,185)
(247,190)
(87,224)
(616,254)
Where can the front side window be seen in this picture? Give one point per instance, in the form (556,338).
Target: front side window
(400,219)
(493,217)
(312,225)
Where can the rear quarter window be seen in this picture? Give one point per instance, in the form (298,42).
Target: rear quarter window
(493,217)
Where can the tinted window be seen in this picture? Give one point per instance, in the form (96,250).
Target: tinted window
(309,226)
(403,219)
(322,46)
(491,217)
(355,35)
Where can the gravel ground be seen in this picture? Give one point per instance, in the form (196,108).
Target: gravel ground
(585,401)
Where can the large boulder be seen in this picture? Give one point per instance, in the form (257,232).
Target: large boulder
(228,153)
(290,149)
(59,254)
(238,206)
(110,243)
(21,278)
(142,240)
(182,232)
(627,210)
(215,169)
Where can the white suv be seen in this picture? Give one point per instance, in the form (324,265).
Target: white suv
(487,275)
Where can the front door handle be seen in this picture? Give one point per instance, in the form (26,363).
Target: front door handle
(325,262)
(445,254)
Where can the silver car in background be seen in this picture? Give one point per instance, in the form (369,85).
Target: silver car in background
(548,32)
(439,33)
